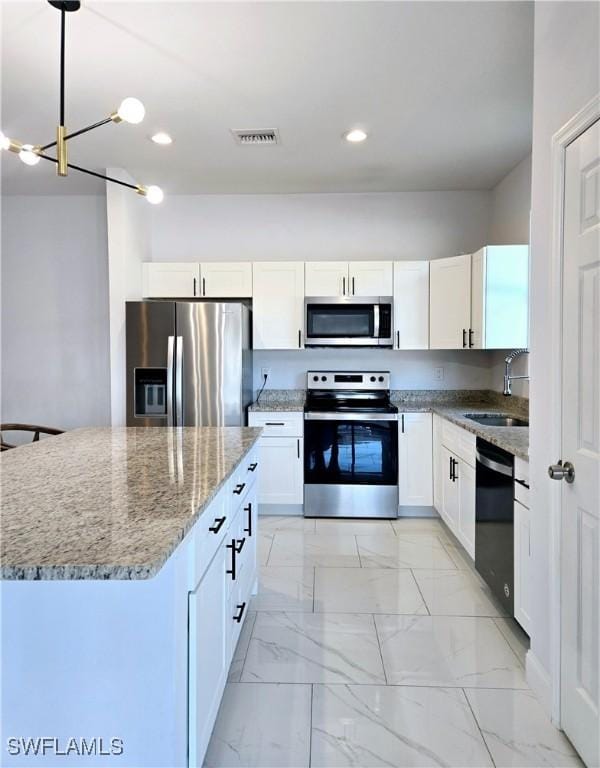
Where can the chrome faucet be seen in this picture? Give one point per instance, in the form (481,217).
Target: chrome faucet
(508,360)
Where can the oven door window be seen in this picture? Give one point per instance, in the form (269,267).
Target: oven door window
(335,321)
(351,452)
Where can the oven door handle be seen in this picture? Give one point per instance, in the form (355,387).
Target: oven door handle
(336,416)
(495,466)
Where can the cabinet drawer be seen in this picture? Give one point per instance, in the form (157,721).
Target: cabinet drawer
(278,423)
(244,478)
(459,441)
(207,535)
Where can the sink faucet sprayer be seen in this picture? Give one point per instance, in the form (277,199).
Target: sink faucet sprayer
(508,361)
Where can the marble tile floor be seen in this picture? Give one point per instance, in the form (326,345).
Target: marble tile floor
(375,643)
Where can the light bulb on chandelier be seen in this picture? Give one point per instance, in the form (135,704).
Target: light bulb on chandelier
(28,156)
(130,111)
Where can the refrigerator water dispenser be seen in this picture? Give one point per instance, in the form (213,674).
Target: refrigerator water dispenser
(150,391)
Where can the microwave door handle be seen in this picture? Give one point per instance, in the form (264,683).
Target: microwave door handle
(376,321)
(170,353)
(179,382)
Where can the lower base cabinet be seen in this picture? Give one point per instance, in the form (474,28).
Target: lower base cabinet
(415,476)
(457,484)
(522,585)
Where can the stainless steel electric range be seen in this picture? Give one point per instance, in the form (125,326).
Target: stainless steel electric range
(350,445)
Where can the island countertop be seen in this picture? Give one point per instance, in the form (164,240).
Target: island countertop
(110,503)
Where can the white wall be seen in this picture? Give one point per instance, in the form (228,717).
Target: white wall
(409,225)
(55,346)
(510,205)
(128,247)
(467,369)
(566,77)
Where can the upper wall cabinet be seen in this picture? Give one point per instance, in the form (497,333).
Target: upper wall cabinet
(500,297)
(170,280)
(226,279)
(411,305)
(278,304)
(370,278)
(450,302)
(326,278)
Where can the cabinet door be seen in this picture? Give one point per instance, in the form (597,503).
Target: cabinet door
(223,280)
(438,465)
(449,302)
(466,506)
(523,571)
(411,305)
(170,280)
(477,336)
(371,278)
(326,278)
(450,498)
(278,305)
(415,457)
(207,653)
(282,475)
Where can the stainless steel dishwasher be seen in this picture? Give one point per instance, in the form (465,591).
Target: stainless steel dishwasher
(494,520)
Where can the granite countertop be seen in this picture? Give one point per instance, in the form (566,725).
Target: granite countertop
(110,503)
(515,440)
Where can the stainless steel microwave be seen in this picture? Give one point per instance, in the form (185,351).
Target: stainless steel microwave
(352,321)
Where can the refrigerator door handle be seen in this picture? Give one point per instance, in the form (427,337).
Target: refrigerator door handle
(170,353)
(179,382)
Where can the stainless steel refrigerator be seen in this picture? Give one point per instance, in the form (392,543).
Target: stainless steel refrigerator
(188,363)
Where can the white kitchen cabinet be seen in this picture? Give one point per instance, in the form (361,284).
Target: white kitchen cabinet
(278,304)
(438,471)
(411,305)
(523,567)
(465,477)
(178,280)
(415,456)
(450,492)
(371,278)
(450,302)
(326,278)
(208,652)
(226,280)
(282,479)
(500,297)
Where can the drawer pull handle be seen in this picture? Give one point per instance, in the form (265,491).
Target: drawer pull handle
(240,545)
(274,423)
(239,488)
(217,525)
(252,467)
(232,571)
(241,608)
(248,509)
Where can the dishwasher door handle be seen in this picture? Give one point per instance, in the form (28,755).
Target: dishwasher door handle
(495,466)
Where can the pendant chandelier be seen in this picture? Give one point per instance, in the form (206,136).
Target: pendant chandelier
(130,111)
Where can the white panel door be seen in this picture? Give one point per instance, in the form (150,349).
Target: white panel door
(449,302)
(371,278)
(170,280)
(415,459)
(523,568)
(208,661)
(450,496)
(282,470)
(580,545)
(465,478)
(477,335)
(438,477)
(278,304)
(326,278)
(222,280)
(411,304)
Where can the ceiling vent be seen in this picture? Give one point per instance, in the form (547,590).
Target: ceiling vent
(267,136)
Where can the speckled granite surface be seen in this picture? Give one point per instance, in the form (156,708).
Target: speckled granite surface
(515,440)
(280,400)
(110,503)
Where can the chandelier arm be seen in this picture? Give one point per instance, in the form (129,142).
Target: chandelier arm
(62,66)
(136,187)
(82,130)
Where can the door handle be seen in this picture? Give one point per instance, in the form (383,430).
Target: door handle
(241,608)
(471,334)
(562,471)
(240,545)
(450,469)
(353,291)
(179,382)
(170,358)
(299,339)
(204,286)
(343,286)
(274,424)
(232,571)
(248,509)
(253,466)
(298,447)
(239,488)
(402,423)
(194,286)
(217,525)
(464,337)
(398,337)
(454,475)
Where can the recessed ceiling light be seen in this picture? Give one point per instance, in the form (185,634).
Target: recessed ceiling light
(162,138)
(355,135)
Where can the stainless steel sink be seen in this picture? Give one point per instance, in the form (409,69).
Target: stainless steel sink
(497,420)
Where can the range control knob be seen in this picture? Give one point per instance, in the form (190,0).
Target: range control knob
(323,378)
(381,378)
(315,378)
(372,378)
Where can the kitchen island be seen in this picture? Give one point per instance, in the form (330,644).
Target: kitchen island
(128,557)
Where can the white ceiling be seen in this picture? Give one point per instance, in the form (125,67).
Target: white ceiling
(443,88)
